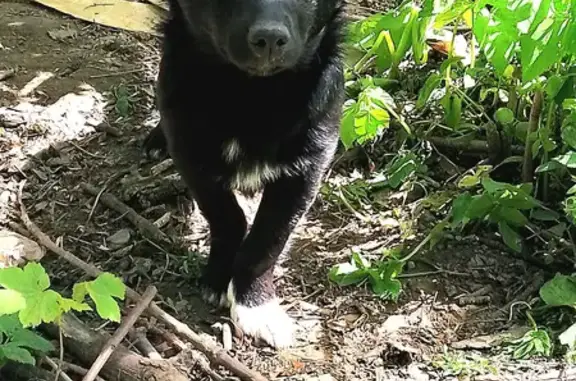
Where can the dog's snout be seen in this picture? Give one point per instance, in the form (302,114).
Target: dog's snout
(268,40)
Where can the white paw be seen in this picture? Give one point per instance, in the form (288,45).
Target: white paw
(215,299)
(268,322)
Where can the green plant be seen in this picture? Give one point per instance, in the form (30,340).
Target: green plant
(16,343)
(26,301)
(381,274)
(463,365)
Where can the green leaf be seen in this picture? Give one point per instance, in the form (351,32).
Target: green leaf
(468,181)
(544,215)
(11,302)
(511,216)
(568,337)
(432,82)
(553,85)
(12,351)
(28,339)
(510,236)
(504,115)
(345,274)
(459,209)
(102,291)
(9,324)
(569,134)
(559,291)
(479,207)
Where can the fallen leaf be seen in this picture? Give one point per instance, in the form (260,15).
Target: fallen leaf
(122,14)
(15,249)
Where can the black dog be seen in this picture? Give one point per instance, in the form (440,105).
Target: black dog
(250,95)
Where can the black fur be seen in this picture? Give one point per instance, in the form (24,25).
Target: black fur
(282,120)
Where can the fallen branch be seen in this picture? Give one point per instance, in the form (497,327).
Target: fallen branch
(121,333)
(123,364)
(56,368)
(145,227)
(213,351)
(470,146)
(76,369)
(34,83)
(143,344)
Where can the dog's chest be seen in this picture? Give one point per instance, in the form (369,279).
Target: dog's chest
(252,169)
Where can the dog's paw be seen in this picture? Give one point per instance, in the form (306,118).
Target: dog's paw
(155,145)
(267,322)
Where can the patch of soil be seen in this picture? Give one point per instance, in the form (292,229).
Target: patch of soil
(451,293)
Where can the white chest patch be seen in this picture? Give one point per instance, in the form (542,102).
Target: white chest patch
(254,177)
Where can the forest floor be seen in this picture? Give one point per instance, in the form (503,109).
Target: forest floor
(452,296)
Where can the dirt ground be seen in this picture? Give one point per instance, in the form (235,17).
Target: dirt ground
(456,292)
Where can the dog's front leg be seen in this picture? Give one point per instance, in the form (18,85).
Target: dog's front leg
(254,305)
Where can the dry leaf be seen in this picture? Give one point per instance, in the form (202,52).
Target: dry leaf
(15,249)
(122,14)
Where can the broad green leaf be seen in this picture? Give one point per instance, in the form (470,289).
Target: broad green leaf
(459,209)
(11,302)
(559,291)
(544,215)
(31,279)
(510,237)
(504,115)
(511,216)
(9,324)
(28,339)
(432,82)
(468,181)
(553,85)
(568,337)
(345,274)
(479,207)
(569,134)
(41,307)
(12,351)
(102,291)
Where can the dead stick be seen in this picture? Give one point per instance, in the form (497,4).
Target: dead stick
(121,333)
(216,354)
(40,78)
(60,374)
(145,227)
(76,369)
(143,344)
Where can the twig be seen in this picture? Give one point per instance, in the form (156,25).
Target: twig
(117,73)
(121,333)
(76,369)
(6,74)
(527,167)
(161,167)
(61,358)
(40,78)
(143,344)
(215,353)
(145,227)
(58,369)
(105,127)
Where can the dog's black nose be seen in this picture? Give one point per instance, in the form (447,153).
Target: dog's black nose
(268,40)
